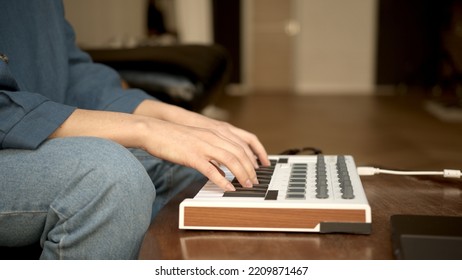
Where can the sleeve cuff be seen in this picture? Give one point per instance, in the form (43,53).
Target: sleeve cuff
(35,127)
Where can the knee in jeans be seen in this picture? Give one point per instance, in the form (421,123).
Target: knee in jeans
(119,165)
(112,173)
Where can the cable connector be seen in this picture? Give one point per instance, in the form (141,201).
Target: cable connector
(369,171)
(452,173)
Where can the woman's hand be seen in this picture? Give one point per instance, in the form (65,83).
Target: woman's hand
(197,147)
(202,149)
(248,141)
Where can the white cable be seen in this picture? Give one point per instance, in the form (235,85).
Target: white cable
(369,171)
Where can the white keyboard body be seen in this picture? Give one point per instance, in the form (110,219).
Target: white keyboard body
(304,194)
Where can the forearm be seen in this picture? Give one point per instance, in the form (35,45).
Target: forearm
(178,115)
(170,113)
(185,145)
(125,129)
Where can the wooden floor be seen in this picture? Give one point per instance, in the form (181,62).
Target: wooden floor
(385,131)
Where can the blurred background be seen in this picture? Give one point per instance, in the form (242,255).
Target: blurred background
(297,46)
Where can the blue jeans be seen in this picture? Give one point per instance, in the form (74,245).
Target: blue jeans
(84,198)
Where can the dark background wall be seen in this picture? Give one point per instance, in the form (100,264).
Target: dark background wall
(227,31)
(411,47)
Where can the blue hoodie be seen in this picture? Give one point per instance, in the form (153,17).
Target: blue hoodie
(44,76)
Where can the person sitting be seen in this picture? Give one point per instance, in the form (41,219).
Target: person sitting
(85,164)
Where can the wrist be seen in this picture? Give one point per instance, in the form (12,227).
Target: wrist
(140,132)
(168,112)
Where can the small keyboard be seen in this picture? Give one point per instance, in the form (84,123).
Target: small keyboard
(315,193)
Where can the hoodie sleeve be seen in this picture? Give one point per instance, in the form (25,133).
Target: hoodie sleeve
(47,79)
(96,86)
(26,118)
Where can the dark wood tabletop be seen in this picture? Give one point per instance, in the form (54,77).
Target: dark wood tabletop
(387,194)
(388,131)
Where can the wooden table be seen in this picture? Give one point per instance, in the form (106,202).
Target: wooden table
(387,195)
(394,132)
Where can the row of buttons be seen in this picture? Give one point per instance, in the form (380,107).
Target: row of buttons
(321,178)
(297,185)
(297,181)
(344,178)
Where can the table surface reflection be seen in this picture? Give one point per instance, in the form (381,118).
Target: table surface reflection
(387,194)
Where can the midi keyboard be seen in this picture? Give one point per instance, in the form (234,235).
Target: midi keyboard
(299,193)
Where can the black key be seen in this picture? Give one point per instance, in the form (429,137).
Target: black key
(264,171)
(272,163)
(262,181)
(264,176)
(271,195)
(258,187)
(244,194)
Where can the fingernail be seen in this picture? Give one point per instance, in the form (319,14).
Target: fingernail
(230,188)
(248,184)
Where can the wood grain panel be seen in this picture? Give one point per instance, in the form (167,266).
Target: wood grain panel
(268,217)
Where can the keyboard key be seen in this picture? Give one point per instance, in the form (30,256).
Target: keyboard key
(245,194)
(272,195)
(260,187)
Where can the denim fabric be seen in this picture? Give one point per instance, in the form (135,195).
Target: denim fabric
(83,198)
(80,197)
(169,178)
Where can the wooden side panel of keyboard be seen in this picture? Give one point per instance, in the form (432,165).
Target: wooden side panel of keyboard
(268,217)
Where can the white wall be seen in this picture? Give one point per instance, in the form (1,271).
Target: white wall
(194,19)
(121,23)
(102,23)
(335,49)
